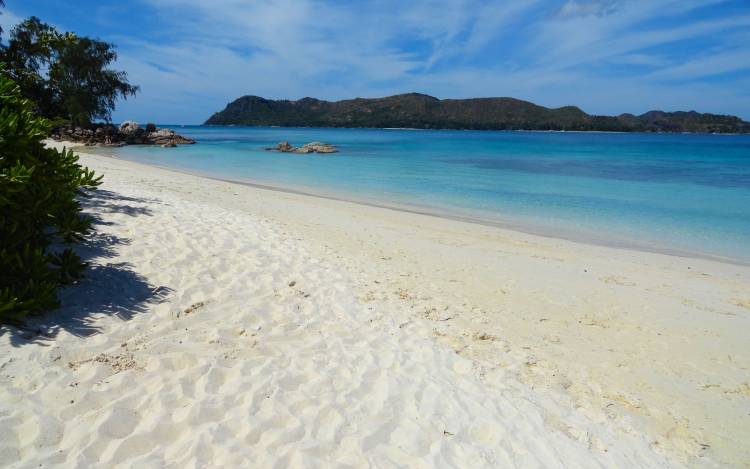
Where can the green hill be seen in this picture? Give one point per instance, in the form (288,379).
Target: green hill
(414,110)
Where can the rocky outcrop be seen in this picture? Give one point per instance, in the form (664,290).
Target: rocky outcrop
(127,133)
(320,147)
(285,147)
(312,147)
(129,127)
(167,137)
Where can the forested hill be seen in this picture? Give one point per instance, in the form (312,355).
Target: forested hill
(420,111)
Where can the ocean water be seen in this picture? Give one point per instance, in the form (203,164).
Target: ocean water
(669,192)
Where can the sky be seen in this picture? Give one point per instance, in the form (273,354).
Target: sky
(192,57)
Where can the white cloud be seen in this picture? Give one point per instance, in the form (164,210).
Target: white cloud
(542,50)
(705,66)
(573,8)
(578,40)
(7,20)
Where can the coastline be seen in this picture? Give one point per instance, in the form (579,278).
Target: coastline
(597,355)
(425,111)
(579,235)
(447,129)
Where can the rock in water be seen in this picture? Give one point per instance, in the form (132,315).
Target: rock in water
(161,137)
(320,147)
(128,133)
(129,127)
(285,147)
(162,133)
(312,147)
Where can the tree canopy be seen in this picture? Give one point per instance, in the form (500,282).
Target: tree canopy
(65,75)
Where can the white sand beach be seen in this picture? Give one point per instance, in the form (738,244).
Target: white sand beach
(227,325)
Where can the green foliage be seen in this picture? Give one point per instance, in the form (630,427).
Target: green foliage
(66,76)
(25,57)
(426,112)
(39,210)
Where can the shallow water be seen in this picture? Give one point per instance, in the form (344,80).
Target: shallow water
(658,191)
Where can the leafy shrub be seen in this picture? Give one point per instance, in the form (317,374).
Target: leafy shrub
(39,211)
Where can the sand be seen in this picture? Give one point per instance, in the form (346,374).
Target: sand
(227,325)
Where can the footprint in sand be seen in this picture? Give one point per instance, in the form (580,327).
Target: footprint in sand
(617,280)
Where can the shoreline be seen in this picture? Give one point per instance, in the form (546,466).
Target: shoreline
(587,237)
(291,328)
(472,130)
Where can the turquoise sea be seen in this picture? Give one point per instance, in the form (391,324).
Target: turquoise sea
(668,192)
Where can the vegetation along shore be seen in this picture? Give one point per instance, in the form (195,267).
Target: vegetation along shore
(420,111)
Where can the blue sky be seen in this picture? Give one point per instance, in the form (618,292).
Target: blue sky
(191,57)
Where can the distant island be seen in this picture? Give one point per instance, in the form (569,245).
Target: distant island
(419,111)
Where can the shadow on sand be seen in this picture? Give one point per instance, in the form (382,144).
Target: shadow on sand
(103,201)
(106,289)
